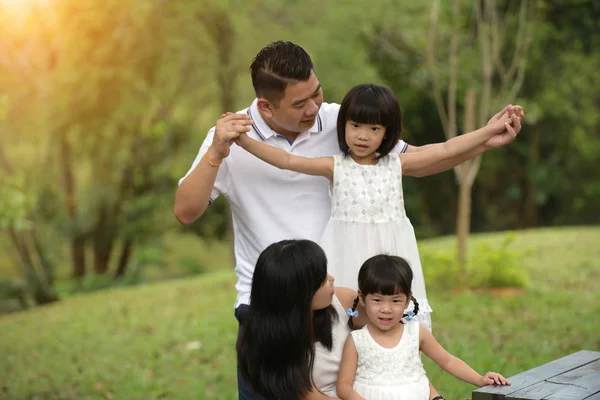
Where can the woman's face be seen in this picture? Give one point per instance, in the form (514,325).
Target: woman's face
(324,295)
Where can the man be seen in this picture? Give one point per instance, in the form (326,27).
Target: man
(269,204)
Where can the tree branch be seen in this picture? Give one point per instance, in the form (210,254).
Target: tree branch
(431,64)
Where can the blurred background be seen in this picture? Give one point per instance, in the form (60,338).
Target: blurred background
(104,105)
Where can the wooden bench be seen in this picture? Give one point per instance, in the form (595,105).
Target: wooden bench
(574,377)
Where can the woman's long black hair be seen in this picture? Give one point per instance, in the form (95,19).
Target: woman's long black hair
(275,348)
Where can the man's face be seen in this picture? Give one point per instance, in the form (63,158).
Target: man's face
(297,110)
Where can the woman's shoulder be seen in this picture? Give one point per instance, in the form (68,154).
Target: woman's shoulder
(346,296)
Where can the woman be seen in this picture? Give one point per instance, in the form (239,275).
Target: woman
(291,344)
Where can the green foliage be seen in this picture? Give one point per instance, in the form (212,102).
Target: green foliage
(488,266)
(14,289)
(121,94)
(16,202)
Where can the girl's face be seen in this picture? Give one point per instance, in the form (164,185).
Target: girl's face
(385,312)
(324,295)
(364,140)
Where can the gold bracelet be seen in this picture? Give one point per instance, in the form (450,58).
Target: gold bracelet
(212,164)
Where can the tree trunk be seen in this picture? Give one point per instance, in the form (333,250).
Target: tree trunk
(126,252)
(78,257)
(530,206)
(463,218)
(68,180)
(466,178)
(224,37)
(40,289)
(103,240)
(46,264)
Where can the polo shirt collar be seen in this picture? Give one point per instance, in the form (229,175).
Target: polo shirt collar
(265,132)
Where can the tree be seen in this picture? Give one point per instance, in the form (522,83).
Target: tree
(105,93)
(501,60)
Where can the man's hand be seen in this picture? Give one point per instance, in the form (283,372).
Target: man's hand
(227,129)
(511,131)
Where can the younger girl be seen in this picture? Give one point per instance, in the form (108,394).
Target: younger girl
(382,360)
(367,215)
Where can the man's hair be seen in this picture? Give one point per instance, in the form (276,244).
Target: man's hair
(277,65)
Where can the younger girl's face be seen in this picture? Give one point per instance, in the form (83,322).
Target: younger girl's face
(364,140)
(324,295)
(385,312)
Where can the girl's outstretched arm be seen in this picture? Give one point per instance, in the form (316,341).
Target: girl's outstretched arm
(347,371)
(322,166)
(443,156)
(455,365)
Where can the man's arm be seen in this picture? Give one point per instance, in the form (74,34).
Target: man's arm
(193,194)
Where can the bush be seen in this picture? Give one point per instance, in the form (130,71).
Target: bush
(487,267)
(13,290)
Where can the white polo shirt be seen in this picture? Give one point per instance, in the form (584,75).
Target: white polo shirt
(269,204)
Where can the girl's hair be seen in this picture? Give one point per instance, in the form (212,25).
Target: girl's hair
(275,348)
(386,275)
(371,104)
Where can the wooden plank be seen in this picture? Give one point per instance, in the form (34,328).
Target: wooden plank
(579,389)
(539,391)
(536,375)
(578,373)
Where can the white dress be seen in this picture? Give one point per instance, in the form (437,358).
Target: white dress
(368,218)
(390,374)
(327,363)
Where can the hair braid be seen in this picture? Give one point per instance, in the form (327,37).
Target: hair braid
(350,321)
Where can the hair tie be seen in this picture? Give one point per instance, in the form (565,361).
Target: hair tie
(352,313)
(410,315)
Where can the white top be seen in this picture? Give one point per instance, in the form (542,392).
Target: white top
(327,363)
(390,373)
(269,204)
(368,218)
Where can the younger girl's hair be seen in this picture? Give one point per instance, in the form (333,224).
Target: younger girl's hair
(387,275)
(275,347)
(371,104)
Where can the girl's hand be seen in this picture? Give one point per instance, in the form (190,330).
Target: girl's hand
(494,378)
(509,110)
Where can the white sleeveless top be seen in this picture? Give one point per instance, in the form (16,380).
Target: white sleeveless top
(327,363)
(390,373)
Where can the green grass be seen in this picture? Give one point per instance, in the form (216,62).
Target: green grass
(175,340)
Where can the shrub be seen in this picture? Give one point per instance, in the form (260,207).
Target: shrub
(487,267)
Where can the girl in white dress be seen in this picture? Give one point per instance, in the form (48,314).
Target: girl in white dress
(382,360)
(368,215)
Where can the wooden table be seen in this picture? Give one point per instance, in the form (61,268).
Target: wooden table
(574,377)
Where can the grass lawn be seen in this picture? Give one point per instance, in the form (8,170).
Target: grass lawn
(175,340)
